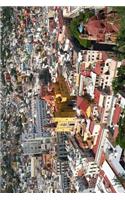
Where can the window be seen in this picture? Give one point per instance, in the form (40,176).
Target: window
(93,167)
(71,124)
(91,171)
(47,141)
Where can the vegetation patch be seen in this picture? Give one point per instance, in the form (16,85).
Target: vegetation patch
(118,83)
(121,136)
(120,48)
(74,32)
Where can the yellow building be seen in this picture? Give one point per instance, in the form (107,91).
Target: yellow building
(63,113)
(63,100)
(64,124)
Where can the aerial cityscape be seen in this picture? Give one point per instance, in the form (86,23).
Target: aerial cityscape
(62,97)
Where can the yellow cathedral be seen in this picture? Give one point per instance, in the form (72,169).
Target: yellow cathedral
(64,115)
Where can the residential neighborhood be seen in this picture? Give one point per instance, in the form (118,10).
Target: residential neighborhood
(62,95)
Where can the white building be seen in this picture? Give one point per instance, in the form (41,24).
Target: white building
(36,146)
(77,162)
(107,181)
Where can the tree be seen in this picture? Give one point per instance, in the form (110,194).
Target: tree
(31,77)
(11,87)
(121,136)
(3,79)
(14,72)
(118,84)
(121,35)
(83,17)
(9,188)
(121,71)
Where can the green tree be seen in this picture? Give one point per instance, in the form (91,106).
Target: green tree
(121,35)
(121,136)
(3,78)
(118,84)
(73,27)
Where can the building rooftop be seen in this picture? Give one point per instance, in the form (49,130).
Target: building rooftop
(83,105)
(91,127)
(97,68)
(94,26)
(86,73)
(111,180)
(97,94)
(104,56)
(116,114)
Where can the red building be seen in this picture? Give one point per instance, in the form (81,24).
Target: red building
(102,29)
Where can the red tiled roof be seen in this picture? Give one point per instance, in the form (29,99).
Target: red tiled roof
(91,127)
(102,159)
(104,56)
(97,94)
(82,104)
(97,68)
(116,27)
(80,172)
(108,27)
(106,181)
(94,26)
(101,173)
(82,67)
(86,73)
(7,76)
(108,184)
(100,37)
(49,99)
(116,115)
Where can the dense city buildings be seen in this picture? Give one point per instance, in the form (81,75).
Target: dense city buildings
(62,97)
